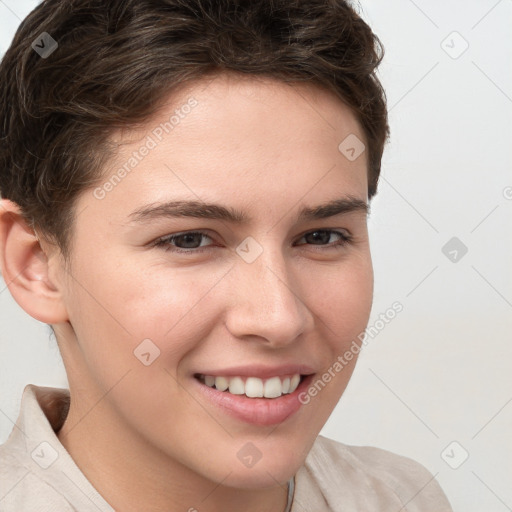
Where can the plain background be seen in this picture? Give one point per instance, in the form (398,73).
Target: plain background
(435,383)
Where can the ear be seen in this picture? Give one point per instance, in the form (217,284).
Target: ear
(25,268)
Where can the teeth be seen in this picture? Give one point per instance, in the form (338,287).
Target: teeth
(236,386)
(294,382)
(253,387)
(273,388)
(221,383)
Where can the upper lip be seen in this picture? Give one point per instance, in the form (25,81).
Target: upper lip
(261,371)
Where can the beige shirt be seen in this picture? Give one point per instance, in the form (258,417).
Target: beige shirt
(37,474)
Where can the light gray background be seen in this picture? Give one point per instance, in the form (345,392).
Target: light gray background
(441,370)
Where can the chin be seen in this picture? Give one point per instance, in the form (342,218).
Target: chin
(260,464)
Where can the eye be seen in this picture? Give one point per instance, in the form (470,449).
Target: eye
(188,242)
(322,237)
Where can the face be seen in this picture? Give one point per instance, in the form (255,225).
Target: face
(170,297)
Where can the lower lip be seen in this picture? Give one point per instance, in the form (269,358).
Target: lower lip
(258,411)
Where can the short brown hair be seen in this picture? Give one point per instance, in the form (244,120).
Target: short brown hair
(116,59)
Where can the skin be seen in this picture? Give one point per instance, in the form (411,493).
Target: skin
(142,434)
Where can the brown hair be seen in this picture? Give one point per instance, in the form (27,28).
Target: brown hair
(117,59)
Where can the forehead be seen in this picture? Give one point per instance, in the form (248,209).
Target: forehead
(242,139)
(233,107)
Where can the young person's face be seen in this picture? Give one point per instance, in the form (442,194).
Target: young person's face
(287,302)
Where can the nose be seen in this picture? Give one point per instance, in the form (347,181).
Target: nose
(267,302)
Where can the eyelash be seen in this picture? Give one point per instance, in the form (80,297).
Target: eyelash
(165,242)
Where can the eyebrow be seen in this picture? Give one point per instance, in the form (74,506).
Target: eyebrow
(213,211)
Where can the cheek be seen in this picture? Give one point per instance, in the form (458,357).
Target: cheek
(341,301)
(114,310)
(170,306)
(341,297)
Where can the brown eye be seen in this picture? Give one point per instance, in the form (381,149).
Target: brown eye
(184,242)
(323,237)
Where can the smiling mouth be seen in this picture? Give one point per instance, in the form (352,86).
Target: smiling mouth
(253,387)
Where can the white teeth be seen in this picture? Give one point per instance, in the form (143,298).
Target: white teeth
(236,386)
(253,387)
(221,383)
(273,388)
(294,382)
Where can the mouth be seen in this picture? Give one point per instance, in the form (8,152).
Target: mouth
(253,387)
(258,401)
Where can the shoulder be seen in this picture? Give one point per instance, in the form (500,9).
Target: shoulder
(21,489)
(36,472)
(372,478)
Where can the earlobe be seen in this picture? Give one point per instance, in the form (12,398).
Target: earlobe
(25,268)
